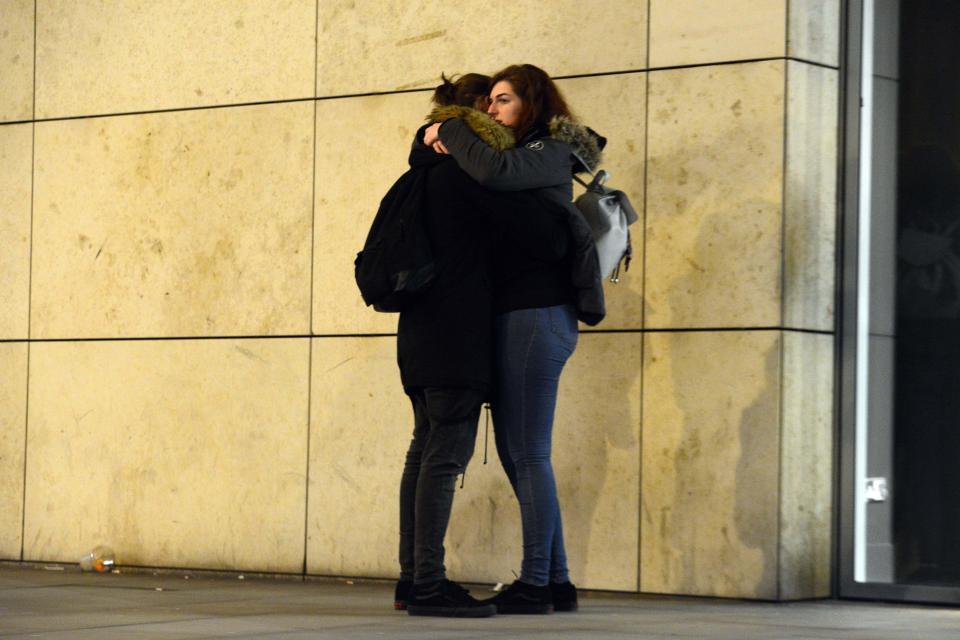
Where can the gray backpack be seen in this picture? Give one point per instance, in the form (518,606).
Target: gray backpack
(609,214)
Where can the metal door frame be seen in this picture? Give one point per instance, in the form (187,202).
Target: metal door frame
(850,95)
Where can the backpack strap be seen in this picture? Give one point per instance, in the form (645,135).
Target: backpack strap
(599,177)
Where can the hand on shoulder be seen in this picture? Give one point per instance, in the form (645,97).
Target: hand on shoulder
(431,134)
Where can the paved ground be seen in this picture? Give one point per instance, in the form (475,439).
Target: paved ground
(42,603)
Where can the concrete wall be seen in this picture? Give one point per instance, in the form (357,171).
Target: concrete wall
(188,374)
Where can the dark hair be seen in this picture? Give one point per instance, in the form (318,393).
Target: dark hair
(540,97)
(469,90)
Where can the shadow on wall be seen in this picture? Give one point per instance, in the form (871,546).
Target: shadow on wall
(756,487)
(720,530)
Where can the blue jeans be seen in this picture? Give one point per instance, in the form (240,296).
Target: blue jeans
(531,347)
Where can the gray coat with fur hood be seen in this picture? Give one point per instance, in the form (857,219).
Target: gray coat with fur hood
(545,163)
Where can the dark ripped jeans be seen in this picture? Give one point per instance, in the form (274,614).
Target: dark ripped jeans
(444,433)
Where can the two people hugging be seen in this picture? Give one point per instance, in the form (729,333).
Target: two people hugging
(516,268)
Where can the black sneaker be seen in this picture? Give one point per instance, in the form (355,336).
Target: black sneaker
(401,594)
(448,599)
(521,597)
(564,596)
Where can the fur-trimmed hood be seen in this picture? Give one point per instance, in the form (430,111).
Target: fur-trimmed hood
(487,129)
(586,143)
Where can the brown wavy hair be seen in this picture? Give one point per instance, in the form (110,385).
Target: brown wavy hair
(541,99)
(469,90)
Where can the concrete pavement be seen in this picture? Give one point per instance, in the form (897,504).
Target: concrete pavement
(39,602)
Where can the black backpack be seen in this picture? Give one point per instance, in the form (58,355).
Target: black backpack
(396,264)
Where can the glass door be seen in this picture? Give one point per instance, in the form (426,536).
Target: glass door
(900,368)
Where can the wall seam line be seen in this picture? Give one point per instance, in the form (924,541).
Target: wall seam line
(784,189)
(313,227)
(306,492)
(258,103)
(285,336)
(823,332)
(781,413)
(643,307)
(26,411)
(784,186)
(786,29)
